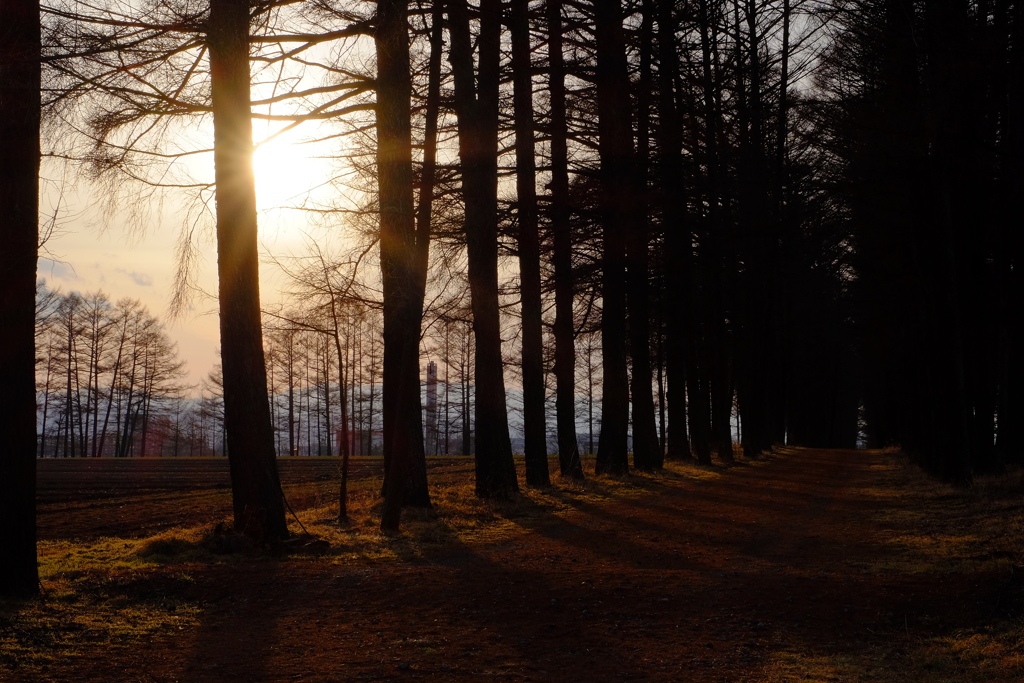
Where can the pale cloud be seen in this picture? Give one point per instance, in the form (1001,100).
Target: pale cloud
(51,270)
(141,279)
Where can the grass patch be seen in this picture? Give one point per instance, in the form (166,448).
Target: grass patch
(117,593)
(115,609)
(989,655)
(974,534)
(940,529)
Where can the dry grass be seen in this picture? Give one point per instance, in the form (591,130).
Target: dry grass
(935,529)
(120,591)
(459,518)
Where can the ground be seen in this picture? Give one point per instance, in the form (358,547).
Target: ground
(805,565)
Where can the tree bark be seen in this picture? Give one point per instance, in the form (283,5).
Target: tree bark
(684,404)
(256,489)
(615,147)
(647,455)
(403,434)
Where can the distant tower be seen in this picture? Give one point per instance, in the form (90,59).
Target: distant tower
(431,436)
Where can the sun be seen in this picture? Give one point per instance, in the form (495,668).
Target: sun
(289,173)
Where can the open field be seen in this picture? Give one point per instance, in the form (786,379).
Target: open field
(809,565)
(92,477)
(90,497)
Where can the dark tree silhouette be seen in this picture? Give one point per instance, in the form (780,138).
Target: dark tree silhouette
(618,214)
(19,232)
(534,422)
(920,125)
(403,298)
(681,337)
(647,453)
(564,329)
(256,491)
(476,105)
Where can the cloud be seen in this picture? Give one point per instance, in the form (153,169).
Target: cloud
(141,279)
(49,269)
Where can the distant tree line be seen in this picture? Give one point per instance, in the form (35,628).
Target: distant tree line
(109,379)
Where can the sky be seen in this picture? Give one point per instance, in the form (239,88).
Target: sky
(94,248)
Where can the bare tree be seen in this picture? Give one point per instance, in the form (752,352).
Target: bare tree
(256,490)
(403,298)
(476,105)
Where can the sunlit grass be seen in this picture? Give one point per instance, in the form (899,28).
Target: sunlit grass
(788,665)
(83,604)
(937,528)
(118,592)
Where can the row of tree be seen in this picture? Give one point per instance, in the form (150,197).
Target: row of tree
(802,206)
(105,372)
(110,383)
(806,207)
(920,131)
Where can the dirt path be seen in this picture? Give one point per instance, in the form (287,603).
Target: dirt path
(750,575)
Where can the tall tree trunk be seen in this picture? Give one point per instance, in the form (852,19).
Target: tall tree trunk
(255,487)
(416,489)
(1010,433)
(476,105)
(69,437)
(19,233)
(534,420)
(757,343)
(647,455)
(681,329)
(403,434)
(328,431)
(940,238)
(714,381)
(291,394)
(464,377)
(617,206)
(569,462)
(344,447)
(46,403)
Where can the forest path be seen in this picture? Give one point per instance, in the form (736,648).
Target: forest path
(789,568)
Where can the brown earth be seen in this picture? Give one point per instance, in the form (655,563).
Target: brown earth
(808,565)
(134,497)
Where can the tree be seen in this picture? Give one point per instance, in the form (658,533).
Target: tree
(564,328)
(680,328)
(20,50)
(918,125)
(534,422)
(647,454)
(618,211)
(476,105)
(403,299)
(256,490)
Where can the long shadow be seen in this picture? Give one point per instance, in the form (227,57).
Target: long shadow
(576,598)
